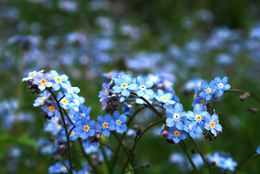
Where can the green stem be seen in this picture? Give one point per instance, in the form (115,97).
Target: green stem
(183,146)
(121,139)
(66,131)
(137,139)
(201,154)
(242,163)
(93,167)
(251,94)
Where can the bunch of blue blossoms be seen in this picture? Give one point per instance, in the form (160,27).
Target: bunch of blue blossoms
(158,93)
(69,119)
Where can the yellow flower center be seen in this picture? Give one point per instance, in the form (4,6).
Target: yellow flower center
(43,81)
(42,99)
(176,133)
(58,79)
(72,133)
(105,91)
(56,119)
(105,125)
(86,128)
(198,117)
(51,108)
(58,127)
(63,168)
(195,95)
(64,101)
(32,74)
(124,85)
(212,124)
(118,122)
(164,98)
(202,101)
(208,90)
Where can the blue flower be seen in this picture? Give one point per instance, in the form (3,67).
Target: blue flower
(176,135)
(43,81)
(212,124)
(41,99)
(221,85)
(147,95)
(258,150)
(222,161)
(50,110)
(53,125)
(165,97)
(82,113)
(85,128)
(207,90)
(59,168)
(229,164)
(58,80)
(124,84)
(105,124)
(120,122)
(175,116)
(198,116)
(104,92)
(144,86)
(32,75)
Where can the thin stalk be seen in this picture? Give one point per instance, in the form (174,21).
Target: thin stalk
(93,167)
(183,146)
(104,155)
(121,139)
(251,94)
(242,163)
(201,154)
(137,139)
(66,131)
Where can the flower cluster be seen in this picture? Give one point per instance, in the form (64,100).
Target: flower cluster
(158,91)
(69,117)
(121,87)
(204,92)
(222,161)
(59,100)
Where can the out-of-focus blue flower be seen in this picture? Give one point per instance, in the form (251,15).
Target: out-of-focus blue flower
(40,100)
(105,124)
(50,110)
(176,135)
(165,97)
(212,124)
(58,168)
(222,161)
(53,126)
(222,85)
(90,147)
(103,94)
(85,128)
(175,116)
(258,150)
(120,122)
